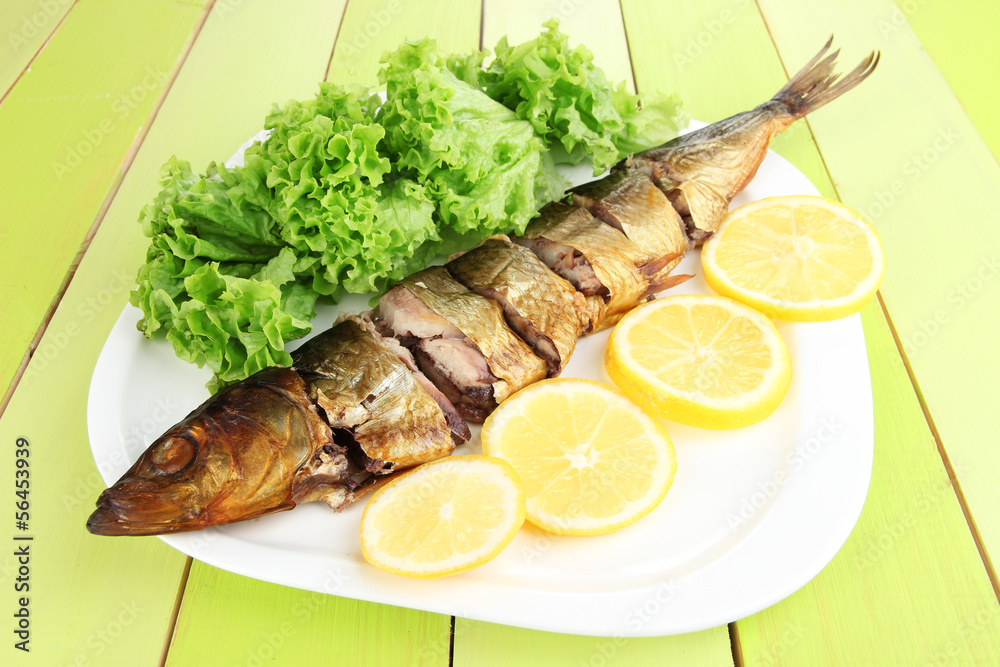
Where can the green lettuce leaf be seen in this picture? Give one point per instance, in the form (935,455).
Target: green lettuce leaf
(484,167)
(569,102)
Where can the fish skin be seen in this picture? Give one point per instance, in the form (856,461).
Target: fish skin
(543,308)
(228,462)
(480,319)
(701,172)
(631,203)
(372,400)
(235,457)
(610,254)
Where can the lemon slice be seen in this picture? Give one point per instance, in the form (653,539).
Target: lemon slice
(591,461)
(701,360)
(446,516)
(795,258)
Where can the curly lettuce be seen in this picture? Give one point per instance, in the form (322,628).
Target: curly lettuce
(568,100)
(350,194)
(485,168)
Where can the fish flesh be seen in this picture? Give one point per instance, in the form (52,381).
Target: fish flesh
(383,391)
(599,261)
(459,340)
(542,308)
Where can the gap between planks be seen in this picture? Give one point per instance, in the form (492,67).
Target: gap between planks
(734,645)
(336,38)
(38,52)
(942,452)
(175,613)
(105,205)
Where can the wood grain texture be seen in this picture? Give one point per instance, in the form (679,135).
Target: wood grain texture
(970,69)
(480,644)
(599,26)
(64,131)
(916,166)
(107,601)
(908,587)
(372,28)
(718,57)
(240,621)
(24,27)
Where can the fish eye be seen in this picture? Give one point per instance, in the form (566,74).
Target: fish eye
(172,455)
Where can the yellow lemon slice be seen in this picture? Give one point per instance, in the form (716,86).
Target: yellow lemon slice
(447,516)
(700,360)
(591,461)
(795,258)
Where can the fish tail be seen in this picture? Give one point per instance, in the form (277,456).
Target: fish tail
(816,83)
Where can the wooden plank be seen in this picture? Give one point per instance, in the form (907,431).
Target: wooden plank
(930,170)
(64,130)
(240,621)
(690,49)
(599,26)
(297,626)
(372,28)
(920,587)
(970,69)
(489,645)
(103,601)
(908,587)
(25,26)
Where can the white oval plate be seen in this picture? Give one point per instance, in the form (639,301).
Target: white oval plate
(754,514)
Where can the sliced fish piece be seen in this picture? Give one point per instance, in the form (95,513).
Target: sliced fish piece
(597,259)
(541,307)
(460,340)
(631,203)
(371,400)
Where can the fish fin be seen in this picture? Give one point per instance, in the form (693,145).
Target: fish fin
(705,204)
(651,268)
(668,282)
(816,83)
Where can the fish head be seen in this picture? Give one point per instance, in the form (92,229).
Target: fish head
(233,458)
(166,490)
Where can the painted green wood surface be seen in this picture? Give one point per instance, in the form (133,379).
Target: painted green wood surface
(65,129)
(599,25)
(971,70)
(225,616)
(488,645)
(24,27)
(372,28)
(733,37)
(719,58)
(908,587)
(930,174)
(909,567)
(239,621)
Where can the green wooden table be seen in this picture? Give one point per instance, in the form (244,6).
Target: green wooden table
(97,94)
